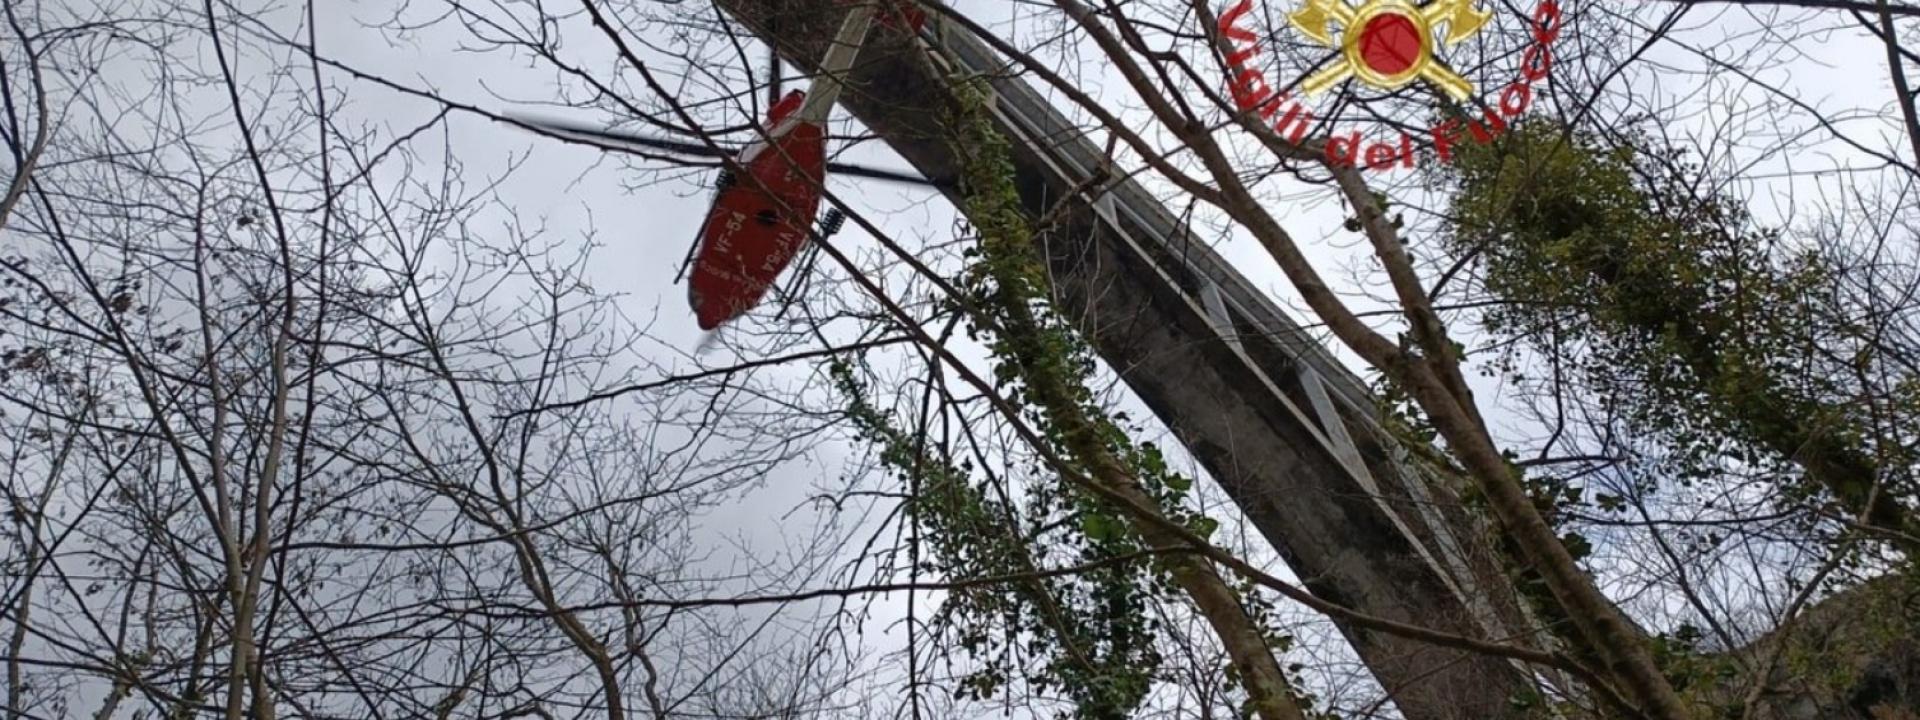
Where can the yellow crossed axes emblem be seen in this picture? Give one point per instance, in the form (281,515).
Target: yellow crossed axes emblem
(1388,43)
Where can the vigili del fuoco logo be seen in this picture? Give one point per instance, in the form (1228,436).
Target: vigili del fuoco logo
(1387,45)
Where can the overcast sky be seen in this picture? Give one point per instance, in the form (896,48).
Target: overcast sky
(643,222)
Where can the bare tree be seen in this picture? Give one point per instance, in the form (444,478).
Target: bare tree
(279,396)
(300,420)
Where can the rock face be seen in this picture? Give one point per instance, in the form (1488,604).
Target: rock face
(1853,656)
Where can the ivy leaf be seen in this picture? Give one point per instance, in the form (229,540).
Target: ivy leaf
(1204,526)
(1577,545)
(1101,528)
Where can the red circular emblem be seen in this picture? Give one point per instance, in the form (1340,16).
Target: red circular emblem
(1391,43)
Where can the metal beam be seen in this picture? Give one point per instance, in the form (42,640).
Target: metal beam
(1287,431)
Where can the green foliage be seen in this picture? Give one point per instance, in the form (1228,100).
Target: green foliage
(1689,325)
(1095,632)
(1090,628)
(1040,359)
(1689,667)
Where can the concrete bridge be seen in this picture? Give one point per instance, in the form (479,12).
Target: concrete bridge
(1291,435)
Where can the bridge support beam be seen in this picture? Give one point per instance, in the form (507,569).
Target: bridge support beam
(1287,431)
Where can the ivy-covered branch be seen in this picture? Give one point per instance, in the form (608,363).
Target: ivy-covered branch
(1043,366)
(1091,627)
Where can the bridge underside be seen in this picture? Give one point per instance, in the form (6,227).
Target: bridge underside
(1285,430)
